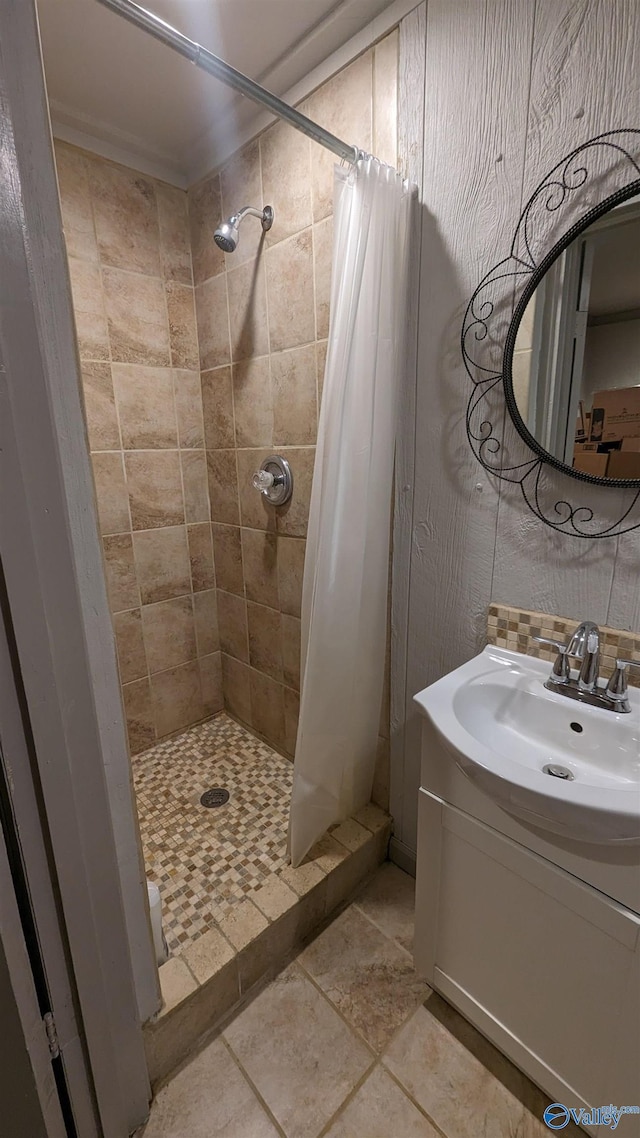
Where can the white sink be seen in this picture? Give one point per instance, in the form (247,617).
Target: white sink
(502,727)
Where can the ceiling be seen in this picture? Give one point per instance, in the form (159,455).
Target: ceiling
(112,82)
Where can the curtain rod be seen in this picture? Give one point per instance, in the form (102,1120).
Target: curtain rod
(228,75)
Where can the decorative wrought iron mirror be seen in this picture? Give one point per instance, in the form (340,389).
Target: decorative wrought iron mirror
(554,327)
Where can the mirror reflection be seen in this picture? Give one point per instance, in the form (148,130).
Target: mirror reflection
(576,362)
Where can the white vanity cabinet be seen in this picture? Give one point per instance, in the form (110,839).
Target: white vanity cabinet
(536,940)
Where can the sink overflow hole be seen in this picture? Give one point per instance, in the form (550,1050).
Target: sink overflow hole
(577,727)
(558,771)
(217,796)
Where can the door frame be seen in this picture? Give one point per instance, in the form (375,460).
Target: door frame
(51,553)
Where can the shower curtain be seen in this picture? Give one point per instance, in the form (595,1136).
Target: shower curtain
(346,574)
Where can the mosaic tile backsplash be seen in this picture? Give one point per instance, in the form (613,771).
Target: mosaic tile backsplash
(515,628)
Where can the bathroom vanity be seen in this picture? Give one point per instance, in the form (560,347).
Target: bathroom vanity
(527,901)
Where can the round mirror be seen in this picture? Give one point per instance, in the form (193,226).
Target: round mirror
(573,365)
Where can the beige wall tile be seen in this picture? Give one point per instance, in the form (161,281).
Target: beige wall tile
(211,683)
(227,555)
(144,397)
(205,214)
(111,492)
(290,292)
(255,511)
(241,185)
(188,401)
(138,710)
(182,325)
(291,716)
(286,180)
(120,572)
(155,488)
(246,288)
(217,405)
(321,363)
(126,217)
(232,625)
(195,483)
(223,486)
(267,708)
(322,260)
(100,407)
(213,322)
(343,106)
(173,220)
(260,558)
(75,202)
(235,682)
(252,403)
(162,564)
(385,99)
(293,385)
(293,518)
(265,640)
(89,310)
(137,318)
(132,658)
(177,698)
(290,573)
(205,611)
(201,557)
(291,650)
(169,633)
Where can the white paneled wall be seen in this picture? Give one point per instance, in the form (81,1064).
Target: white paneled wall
(507,89)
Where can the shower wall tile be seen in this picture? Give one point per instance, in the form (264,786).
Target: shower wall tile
(213,322)
(137,318)
(143,398)
(247,292)
(155,488)
(265,640)
(173,221)
(100,406)
(201,557)
(182,325)
(205,205)
(89,310)
(126,218)
(232,625)
(293,392)
(291,553)
(241,184)
(292,519)
(385,99)
(290,626)
(322,257)
(162,563)
(146,408)
(260,562)
(227,554)
(217,403)
(252,403)
(290,292)
(255,511)
(223,486)
(286,180)
(236,688)
(267,708)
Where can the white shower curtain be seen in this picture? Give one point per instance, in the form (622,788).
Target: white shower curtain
(346,574)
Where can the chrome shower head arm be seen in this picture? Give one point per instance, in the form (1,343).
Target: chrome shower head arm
(265,215)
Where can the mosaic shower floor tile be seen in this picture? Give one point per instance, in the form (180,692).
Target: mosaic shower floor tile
(205,860)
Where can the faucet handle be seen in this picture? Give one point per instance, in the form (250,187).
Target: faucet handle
(561,670)
(616,688)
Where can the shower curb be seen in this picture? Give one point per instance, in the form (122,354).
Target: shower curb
(204,988)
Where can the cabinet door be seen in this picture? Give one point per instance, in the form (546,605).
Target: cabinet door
(543,964)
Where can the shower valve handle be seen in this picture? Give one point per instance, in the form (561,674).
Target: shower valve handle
(274,480)
(263,480)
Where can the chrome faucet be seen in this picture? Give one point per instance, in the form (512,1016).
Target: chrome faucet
(584,646)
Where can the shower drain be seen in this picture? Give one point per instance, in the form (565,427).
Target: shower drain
(217,796)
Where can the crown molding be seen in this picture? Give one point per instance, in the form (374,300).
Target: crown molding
(208,153)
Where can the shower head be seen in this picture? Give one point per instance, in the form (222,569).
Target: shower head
(227,234)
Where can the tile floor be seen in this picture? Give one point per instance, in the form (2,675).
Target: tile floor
(347,1042)
(205,861)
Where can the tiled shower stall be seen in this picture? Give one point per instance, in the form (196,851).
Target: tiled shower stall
(196,365)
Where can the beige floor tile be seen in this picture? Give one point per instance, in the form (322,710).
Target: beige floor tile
(381,1110)
(388,900)
(210,1098)
(350,834)
(176,983)
(300,1055)
(462,1095)
(368,977)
